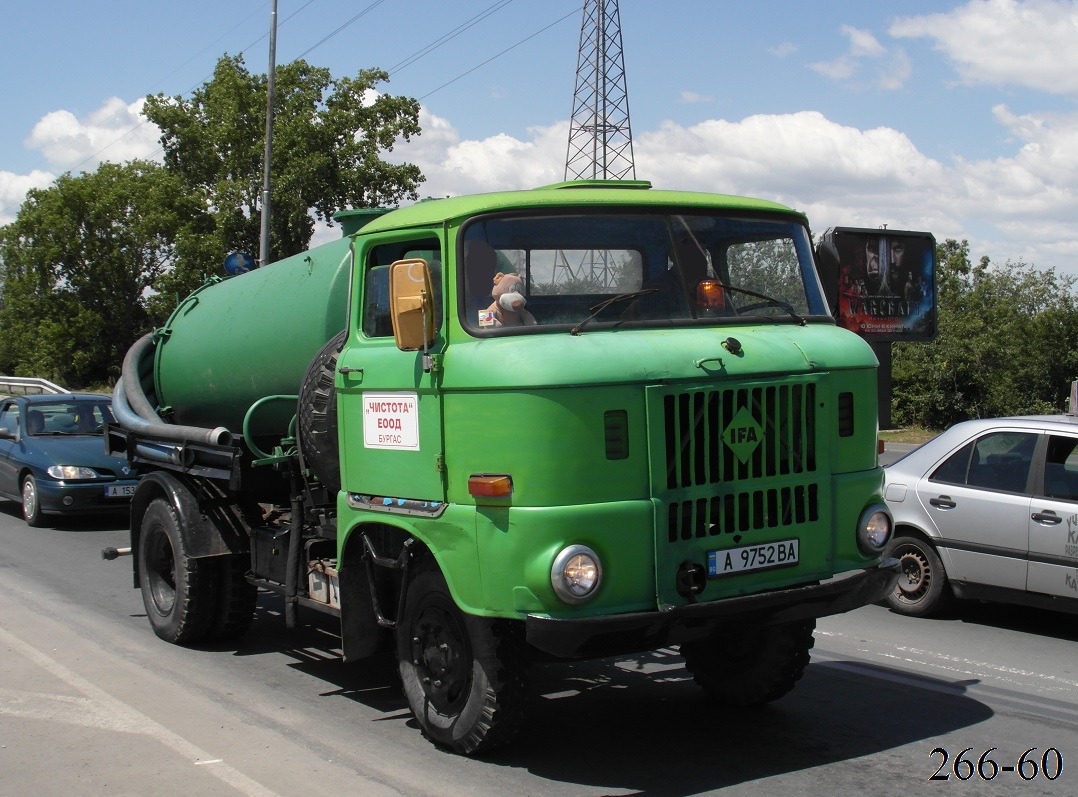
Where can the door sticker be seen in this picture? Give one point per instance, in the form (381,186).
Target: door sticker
(391,420)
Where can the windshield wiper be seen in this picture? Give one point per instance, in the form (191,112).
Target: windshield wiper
(621,297)
(768,301)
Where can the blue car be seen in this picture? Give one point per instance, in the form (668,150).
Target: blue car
(53,460)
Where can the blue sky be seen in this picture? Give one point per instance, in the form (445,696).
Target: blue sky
(957,118)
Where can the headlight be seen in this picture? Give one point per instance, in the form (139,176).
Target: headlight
(874,529)
(72,472)
(576,574)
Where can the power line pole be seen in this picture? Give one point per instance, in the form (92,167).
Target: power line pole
(600,137)
(264,238)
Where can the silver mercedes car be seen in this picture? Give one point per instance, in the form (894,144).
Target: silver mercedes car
(988,510)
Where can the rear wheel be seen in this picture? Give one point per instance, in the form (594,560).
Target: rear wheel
(463,675)
(922,588)
(749,667)
(179,592)
(31,503)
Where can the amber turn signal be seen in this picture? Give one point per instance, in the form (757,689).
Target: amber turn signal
(490,485)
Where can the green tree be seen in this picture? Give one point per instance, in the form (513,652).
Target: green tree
(1007,344)
(80,263)
(327,140)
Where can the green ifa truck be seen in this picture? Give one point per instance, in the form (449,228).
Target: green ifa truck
(585,420)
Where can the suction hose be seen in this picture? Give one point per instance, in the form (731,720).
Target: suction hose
(135,413)
(136,397)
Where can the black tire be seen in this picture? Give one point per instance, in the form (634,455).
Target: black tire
(236,598)
(922,588)
(753,666)
(463,676)
(31,503)
(317,414)
(180,593)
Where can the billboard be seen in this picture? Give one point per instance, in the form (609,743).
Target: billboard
(881,283)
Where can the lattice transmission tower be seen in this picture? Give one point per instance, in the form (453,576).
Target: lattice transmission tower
(600,138)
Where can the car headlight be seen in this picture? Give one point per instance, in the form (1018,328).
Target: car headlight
(874,529)
(576,574)
(72,472)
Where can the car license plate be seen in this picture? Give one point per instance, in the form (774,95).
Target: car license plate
(119,490)
(765,556)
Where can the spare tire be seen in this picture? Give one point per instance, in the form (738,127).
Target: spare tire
(317,415)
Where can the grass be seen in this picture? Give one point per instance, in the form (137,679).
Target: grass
(914,434)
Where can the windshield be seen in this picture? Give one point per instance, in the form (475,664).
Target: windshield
(68,417)
(636,269)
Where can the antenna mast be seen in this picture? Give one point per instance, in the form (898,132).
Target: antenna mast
(600,138)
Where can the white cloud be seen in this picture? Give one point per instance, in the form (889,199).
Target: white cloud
(500,162)
(894,71)
(869,177)
(862,43)
(783,50)
(13,188)
(115,132)
(1006,42)
(892,64)
(692,97)
(838,69)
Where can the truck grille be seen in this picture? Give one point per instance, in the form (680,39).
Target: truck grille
(717,438)
(784,433)
(742,512)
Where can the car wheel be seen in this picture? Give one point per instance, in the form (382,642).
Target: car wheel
(31,503)
(922,588)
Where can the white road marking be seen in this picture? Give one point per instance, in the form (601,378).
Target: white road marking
(99,709)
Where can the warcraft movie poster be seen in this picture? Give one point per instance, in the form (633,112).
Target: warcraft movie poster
(886,283)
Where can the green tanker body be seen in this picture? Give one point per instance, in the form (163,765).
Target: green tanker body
(235,341)
(585,420)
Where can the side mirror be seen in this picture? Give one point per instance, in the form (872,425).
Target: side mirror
(411,299)
(7,434)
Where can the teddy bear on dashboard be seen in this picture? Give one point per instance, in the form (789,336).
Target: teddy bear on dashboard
(508,308)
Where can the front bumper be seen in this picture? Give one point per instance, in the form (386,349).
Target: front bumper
(618,634)
(82,497)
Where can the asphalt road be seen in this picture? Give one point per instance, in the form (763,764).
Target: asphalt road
(92,703)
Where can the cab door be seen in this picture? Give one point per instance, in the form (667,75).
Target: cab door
(1053,522)
(389,403)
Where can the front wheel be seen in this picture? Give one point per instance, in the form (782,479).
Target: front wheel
(749,667)
(463,676)
(178,591)
(31,503)
(922,588)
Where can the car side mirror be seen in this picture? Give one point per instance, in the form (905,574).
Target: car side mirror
(412,304)
(7,434)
